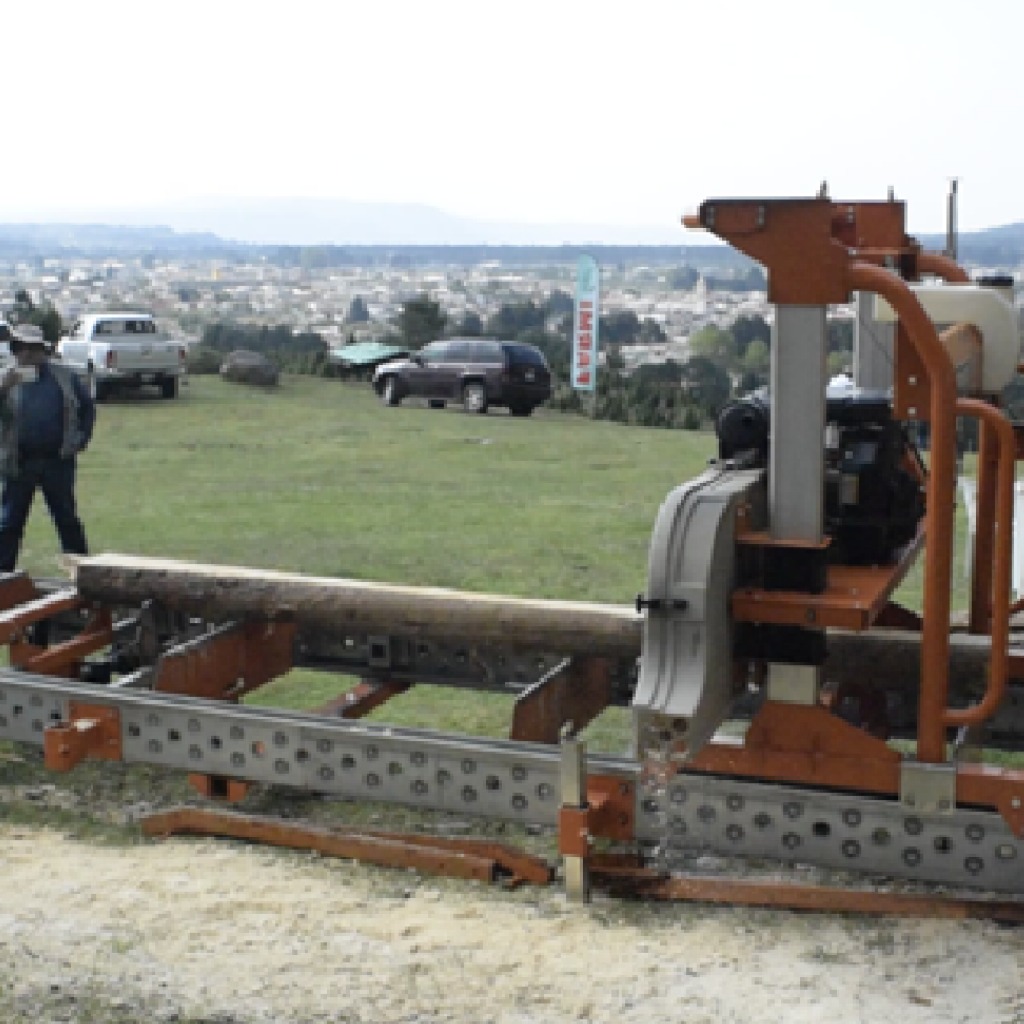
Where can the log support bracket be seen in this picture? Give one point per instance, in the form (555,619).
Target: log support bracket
(366,696)
(90,731)
(64,659)
(227,662)
(571,696)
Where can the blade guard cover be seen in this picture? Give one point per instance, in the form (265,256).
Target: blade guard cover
(686,667)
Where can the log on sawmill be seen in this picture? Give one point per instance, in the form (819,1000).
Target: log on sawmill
(340,607)
(890,658)
(343,607)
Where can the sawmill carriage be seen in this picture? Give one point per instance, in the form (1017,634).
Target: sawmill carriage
(767,665)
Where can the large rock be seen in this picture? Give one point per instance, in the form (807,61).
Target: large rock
(244,367)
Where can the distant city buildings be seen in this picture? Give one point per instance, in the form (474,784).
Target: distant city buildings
(186,294)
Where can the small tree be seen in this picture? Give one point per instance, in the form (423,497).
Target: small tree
(714,344)
(420,321)
(45,317)
(620,328)
(706,384)
(470,326)
(357,311)
(513,318)
(756,361)
(559,303)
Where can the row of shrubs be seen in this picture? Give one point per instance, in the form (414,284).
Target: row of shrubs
(202,359)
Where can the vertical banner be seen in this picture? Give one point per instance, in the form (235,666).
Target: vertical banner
(584,327)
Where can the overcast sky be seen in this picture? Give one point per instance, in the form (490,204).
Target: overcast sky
(553,111)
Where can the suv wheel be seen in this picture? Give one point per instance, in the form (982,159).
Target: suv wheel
(521,410)
(389,391)
(474,397)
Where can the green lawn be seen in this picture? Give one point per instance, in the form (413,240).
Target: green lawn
(318,477)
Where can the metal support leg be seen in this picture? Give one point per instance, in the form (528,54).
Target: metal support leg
(573,833)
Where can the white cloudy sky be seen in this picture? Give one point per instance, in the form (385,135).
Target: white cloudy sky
(553,111)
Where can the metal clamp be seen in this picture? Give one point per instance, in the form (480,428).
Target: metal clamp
(661,604)
(573,831)
(928,788)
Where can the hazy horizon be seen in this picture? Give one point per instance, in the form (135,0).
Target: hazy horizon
(303,220)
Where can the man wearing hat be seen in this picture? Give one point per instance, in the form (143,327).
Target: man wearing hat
(46,419)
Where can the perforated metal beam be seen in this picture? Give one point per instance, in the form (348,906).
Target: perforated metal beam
(500,779)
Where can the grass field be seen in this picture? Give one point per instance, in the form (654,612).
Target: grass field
(318,477)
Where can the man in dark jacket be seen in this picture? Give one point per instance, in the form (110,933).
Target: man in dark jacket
(46,419)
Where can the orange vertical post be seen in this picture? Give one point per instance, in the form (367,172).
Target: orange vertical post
(931,736)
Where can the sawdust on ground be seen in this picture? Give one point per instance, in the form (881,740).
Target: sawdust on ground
(216,931)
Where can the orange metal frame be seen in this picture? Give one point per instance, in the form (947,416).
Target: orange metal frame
(90,731)
(817,252)
(854,596)
(477,859)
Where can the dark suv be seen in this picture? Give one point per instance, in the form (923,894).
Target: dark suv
(478,372)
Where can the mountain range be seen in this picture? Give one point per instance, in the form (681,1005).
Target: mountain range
(228,226)
(310,221)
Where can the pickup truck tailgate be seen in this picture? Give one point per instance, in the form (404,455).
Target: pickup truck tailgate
(140,356)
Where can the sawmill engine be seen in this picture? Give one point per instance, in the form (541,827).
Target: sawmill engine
(874,478)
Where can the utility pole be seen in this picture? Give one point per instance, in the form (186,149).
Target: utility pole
(951,220)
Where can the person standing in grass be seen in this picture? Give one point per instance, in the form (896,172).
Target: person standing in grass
(46,419)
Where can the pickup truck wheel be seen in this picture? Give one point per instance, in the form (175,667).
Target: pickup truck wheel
(389,392)
(474,397)
(521,410)
(169,387)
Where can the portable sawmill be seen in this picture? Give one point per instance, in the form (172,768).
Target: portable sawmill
(767,664)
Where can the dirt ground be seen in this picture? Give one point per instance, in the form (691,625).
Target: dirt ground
(101,928)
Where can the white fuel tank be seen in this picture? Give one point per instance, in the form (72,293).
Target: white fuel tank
(987,309)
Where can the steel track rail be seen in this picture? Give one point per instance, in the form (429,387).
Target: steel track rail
(519,782)
(500,779)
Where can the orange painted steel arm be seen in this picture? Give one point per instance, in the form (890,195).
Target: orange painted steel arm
(1002,430)
(980,612)
(942,266)
(931,738)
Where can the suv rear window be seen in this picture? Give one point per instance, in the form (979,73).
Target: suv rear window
(521,354)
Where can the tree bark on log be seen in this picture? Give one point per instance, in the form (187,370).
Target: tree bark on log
(340,607)
(892,658)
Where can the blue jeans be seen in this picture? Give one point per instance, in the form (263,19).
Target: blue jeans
(55,477)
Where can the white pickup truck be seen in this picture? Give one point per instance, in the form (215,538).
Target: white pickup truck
(112,350)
